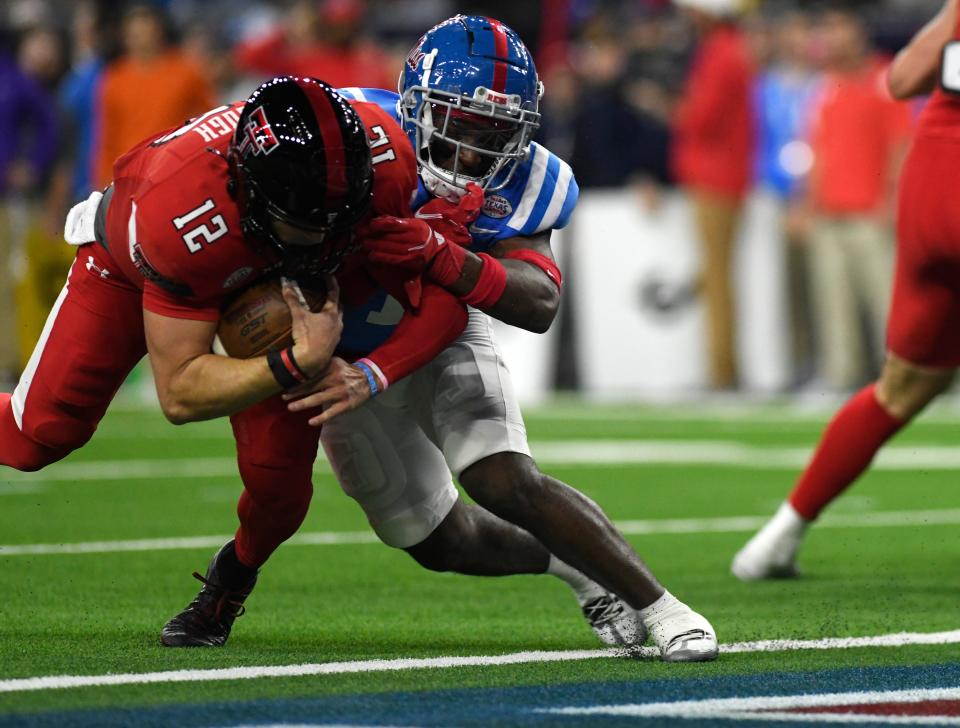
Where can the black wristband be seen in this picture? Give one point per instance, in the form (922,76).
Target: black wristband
(280,372)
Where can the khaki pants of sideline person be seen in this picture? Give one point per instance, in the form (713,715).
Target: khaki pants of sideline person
(717,220)
(43,270)
(851,274)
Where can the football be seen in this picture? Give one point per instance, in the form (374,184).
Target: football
(257,320)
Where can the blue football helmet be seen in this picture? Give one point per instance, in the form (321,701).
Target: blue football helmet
(469,95)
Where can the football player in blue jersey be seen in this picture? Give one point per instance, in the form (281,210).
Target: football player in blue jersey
(469,97)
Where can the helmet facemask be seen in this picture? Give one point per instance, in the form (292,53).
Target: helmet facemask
(460,140)
(320,248)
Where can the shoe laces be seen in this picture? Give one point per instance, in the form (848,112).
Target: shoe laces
(602,610)
(214,599)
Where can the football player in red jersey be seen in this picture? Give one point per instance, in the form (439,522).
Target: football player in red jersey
(923,330)
(279,183)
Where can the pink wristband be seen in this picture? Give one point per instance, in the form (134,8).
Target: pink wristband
(490,285)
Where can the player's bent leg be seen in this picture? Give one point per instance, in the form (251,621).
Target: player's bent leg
(850,442)
(275,453)
(19,451)
(473,541)
(276,450)
(464,401)
(385,461)
(91,340)
(568,523)
(577,531)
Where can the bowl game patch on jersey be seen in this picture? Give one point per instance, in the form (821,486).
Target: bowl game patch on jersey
(497,206)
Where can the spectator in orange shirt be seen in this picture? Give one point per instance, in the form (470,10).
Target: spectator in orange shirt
(323,40)
(859,136)
(151,87)
(714,142)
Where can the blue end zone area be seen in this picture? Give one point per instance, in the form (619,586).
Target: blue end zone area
(503,706)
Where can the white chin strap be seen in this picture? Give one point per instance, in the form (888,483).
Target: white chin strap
(439,187)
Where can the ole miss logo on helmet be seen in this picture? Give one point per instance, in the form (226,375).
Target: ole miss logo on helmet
(416,54)
(258,136)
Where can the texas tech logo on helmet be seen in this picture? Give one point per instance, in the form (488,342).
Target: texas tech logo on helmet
(258,137)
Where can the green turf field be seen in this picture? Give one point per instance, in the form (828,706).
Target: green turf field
(886,561)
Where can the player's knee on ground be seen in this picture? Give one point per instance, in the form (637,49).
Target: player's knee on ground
(905,389)
(505,484)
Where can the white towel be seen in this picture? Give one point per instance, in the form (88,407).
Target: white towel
(78,229)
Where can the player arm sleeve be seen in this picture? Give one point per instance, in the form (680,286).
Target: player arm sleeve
(420,336)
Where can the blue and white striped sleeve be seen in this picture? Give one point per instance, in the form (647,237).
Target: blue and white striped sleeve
(549,196)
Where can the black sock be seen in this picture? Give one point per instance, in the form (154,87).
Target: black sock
(230,572)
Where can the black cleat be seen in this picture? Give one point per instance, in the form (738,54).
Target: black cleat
(207,620)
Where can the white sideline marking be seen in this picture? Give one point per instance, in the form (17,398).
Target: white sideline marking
(756,708)
(679,526)
(328,538)
(56,682)
(553,452)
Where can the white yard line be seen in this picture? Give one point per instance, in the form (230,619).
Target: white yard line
(55,682)
(328,538)
(548,453)
(677,526)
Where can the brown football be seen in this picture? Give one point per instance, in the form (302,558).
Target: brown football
(257,320)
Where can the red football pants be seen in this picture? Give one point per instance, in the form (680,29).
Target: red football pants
(924,324)
(92,339)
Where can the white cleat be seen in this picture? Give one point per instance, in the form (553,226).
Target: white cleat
(614,621)
(681,634)
(772,552)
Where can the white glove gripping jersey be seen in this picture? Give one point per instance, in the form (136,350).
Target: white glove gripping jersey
(541,196)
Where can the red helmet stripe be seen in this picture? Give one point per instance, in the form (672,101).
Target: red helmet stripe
(332,140)
(500,49)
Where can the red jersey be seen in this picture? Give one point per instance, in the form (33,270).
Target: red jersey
(174,230)
(714,126)
(857,129)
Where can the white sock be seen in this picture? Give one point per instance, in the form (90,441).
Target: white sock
(583,585)
(665,603)
(787,521)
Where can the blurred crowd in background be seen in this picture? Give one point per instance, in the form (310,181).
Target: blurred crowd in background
(640,94)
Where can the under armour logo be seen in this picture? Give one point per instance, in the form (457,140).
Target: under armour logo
(258,135)
(94,268)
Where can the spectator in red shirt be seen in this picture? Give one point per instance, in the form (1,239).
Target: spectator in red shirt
(714,143)
(859,136)
(323,40)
